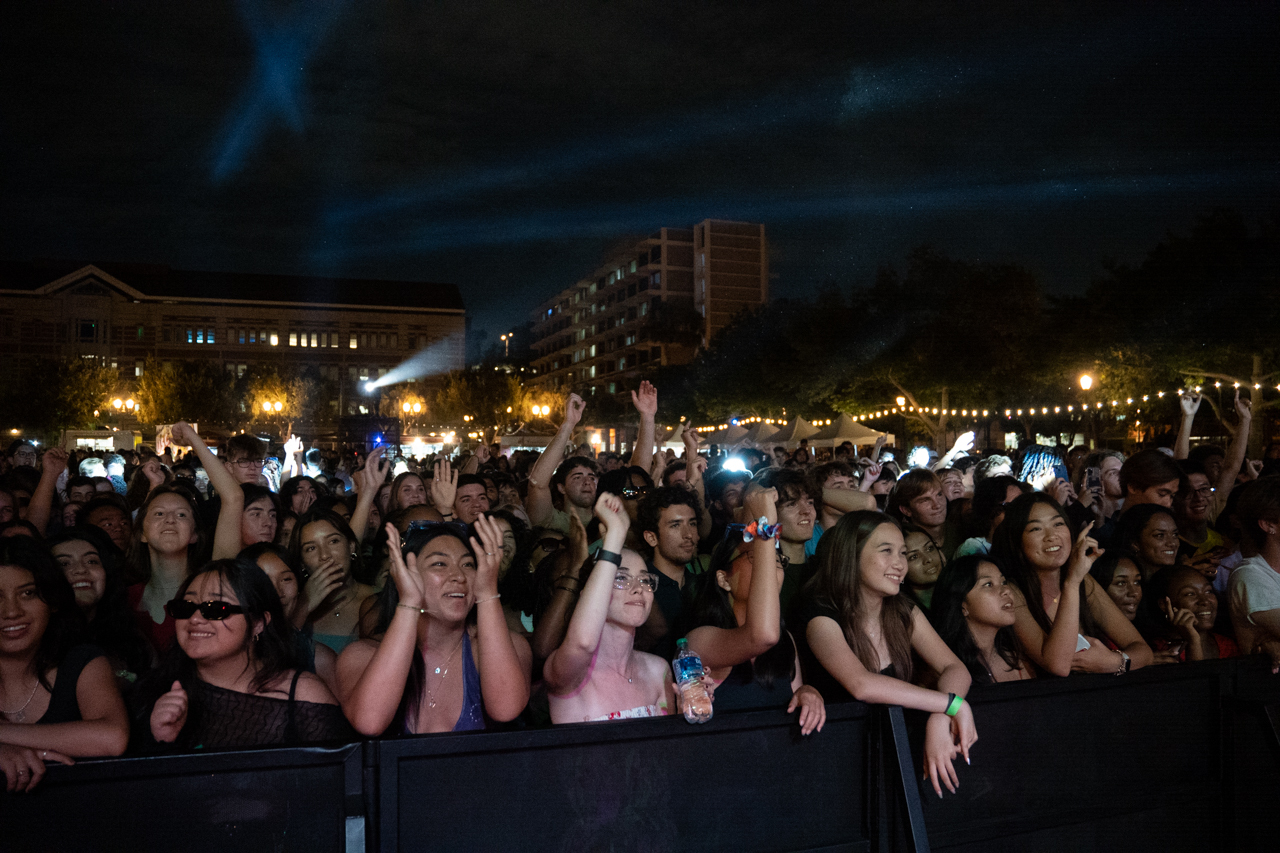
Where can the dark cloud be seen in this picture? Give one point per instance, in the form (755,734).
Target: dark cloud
(504,146)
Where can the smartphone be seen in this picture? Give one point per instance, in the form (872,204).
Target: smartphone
(1093,480)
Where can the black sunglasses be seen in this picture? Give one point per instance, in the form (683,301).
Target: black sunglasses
(214,611)
(634,491)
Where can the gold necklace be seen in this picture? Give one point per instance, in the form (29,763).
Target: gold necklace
(431,698)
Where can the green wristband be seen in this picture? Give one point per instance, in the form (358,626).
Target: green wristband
(953,707)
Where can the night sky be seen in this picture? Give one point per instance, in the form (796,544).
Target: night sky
(506,146)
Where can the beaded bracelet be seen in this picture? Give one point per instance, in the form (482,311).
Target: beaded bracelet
(420,610)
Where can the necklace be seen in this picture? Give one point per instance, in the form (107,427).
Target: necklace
(19,715)
(431,697)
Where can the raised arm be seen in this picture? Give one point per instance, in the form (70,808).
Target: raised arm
(552,625)
(1055,651)
(372,675)
(368,480)
(226,537)
(292,466)
(1235,452)
(568,666)
(41,506)
(759,632)
(538,501)
(646,402)
(848,500)
(695,466)
(1189,404)
(964,443)
(504,657)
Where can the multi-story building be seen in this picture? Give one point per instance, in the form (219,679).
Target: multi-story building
(653,302)
(350,331)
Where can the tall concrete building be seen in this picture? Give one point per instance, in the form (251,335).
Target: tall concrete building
(653,302)
(349,331)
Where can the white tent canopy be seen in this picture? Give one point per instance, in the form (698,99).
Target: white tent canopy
(759,433)
(730,435)
(844,429)
(791,434)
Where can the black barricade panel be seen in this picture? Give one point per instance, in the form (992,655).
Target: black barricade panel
(1253,789)
(1089,762)
(270,800)
(743,782)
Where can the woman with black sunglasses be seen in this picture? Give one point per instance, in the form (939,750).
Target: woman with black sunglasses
(231,679)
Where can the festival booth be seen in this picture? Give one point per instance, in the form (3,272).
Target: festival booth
(522,439)
(759,433)
(727,437)
(791,434)
(845,429)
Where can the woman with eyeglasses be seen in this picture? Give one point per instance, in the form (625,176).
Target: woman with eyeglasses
(232,679)
(597,674)
(446,660)
(58,699)
(748,654)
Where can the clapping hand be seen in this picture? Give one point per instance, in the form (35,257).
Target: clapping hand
(487,545)
(410,587)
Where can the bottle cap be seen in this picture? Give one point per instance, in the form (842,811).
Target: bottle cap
(682,643)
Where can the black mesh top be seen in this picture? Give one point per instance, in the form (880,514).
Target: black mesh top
(228,718)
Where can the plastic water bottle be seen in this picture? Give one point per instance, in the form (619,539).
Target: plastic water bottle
(694,698)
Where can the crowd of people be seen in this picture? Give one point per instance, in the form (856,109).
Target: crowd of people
(186,600)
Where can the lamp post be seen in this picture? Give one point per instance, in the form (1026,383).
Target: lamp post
(1086,382)
(506,344)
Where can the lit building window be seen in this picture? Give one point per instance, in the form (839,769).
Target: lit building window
(208,336)
(314,338)
(293,339)
(191,338)
(353,341)
(199,336)
(275,339)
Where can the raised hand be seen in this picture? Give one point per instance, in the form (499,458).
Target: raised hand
(321,584)
(169,714)
(181,434)
(1252,469)
(293,446)
(964,443)
(54,462)
(761,502)
(697,467)
(1244,408)
(1083,555)
(690,438)
(488,549)
(1189,402)
(573,409)
(645,399)
(613,518)
(374,472)
(1183,621)
(154,472)
(410,587)
(1061,491)
(444,488)
(870,473)
(880,443)
(482,453)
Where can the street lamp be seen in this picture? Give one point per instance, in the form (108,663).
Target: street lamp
(506,344)
(417,407)
(117,404)
(129,404)
(1086,381)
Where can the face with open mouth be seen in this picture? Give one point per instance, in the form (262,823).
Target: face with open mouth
(448,571)
(990,601)
(82,565)
(1046,540)
(882,564)
(169,526)
(24,615)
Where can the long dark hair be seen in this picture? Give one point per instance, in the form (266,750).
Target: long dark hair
(1128,535)
(393,500)
(113,626)
(138,560)
(66,624)
(955,582)
(414,541)
(1007,553)
(517,586)
(837,585)
(711,606)
(356,569)
(272,654)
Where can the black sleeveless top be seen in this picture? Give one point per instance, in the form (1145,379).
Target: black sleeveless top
(742,691)
(63,707)
(814,673)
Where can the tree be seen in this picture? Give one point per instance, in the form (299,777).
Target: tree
(197,391)
(297,394)
(57,394)
(483,395)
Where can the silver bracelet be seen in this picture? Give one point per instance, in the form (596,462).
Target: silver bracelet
(490,598)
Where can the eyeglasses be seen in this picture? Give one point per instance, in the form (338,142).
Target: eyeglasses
(249,463)
(550,544)
(634,491)
(1207,491)
(645,581)
(214,611)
